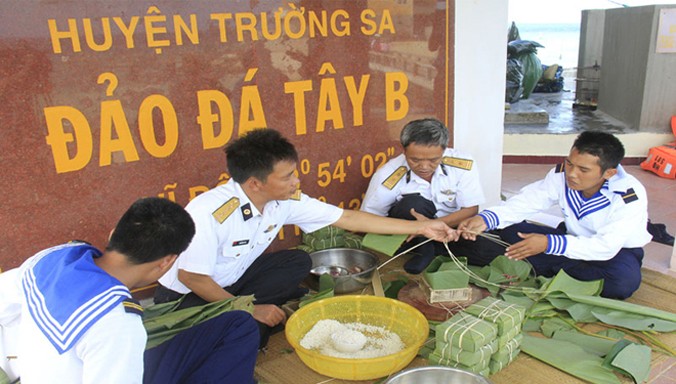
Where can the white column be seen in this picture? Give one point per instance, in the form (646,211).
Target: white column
(480,67)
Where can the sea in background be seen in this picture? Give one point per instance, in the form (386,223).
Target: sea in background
(561,42)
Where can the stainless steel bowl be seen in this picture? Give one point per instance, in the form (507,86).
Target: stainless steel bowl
(351,269)
(436,375)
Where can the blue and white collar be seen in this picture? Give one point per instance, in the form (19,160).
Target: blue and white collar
(582,207)
(66,293)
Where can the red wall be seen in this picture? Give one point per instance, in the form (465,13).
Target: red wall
(104,102)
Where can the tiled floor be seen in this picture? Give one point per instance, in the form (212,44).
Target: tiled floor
(661,204)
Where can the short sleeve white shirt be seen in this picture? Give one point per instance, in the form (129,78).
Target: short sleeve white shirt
(227,242)
(451,188)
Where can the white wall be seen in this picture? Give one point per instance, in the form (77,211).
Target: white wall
(591,38)
(659,100)
(635,144)
(480,66)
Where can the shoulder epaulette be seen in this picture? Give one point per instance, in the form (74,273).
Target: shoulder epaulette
(629,196)
(225,210)
(132,306)
(559,168)
(457,162)
(394,178)
(296,195)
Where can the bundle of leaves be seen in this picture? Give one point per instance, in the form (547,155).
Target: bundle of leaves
(329,237)
(163,321)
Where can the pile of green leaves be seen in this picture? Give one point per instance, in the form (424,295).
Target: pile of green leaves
(163,321)
(502,272)
(555,308)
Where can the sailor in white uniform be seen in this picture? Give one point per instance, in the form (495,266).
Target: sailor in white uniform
(605,212)
(80,324)
(435,181)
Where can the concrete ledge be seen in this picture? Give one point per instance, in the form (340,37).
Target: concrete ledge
(525,113)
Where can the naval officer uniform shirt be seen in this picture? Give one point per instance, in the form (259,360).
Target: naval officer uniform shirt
(231,233)
(453,186)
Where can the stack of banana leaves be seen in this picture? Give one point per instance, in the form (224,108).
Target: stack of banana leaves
(163,321)
(558,308)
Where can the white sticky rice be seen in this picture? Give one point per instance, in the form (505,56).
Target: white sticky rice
(379,341)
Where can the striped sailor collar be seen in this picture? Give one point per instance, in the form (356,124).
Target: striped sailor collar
(66,293)
(582,206)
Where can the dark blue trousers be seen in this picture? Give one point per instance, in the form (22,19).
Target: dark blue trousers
(621,274)
(274,279)
(220,350)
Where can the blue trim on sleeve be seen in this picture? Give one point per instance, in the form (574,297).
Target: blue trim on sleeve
(490,218)
(556,244)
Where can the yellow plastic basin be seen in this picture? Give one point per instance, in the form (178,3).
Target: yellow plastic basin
(393,315)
